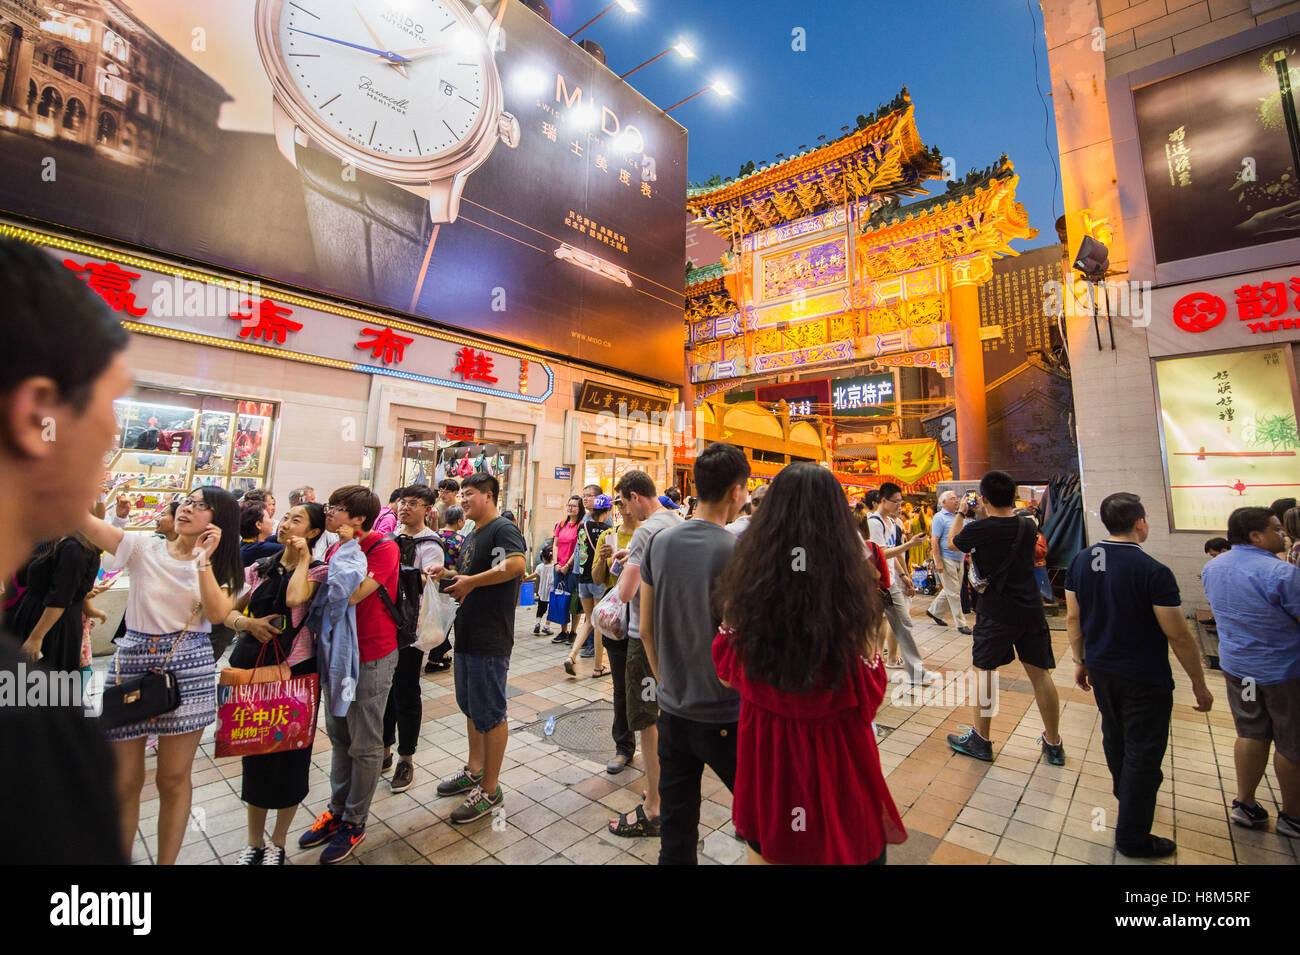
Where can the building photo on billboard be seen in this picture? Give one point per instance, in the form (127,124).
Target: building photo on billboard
(464,163)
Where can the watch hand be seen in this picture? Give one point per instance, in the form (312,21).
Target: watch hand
(386,54)
(378,42)
(420,51)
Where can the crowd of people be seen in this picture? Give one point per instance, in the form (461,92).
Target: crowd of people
(752,634)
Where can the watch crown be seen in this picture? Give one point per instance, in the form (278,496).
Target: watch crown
(508,130)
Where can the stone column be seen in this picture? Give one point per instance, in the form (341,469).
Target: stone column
(965,277)
(19,73)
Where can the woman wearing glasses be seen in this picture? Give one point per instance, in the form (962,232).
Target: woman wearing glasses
(179,589)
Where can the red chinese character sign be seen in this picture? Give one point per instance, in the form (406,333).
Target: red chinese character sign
(112,283)
(385,344)
(271,322)
(474,365)
(212,311)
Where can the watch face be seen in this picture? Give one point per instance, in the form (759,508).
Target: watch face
(404,79)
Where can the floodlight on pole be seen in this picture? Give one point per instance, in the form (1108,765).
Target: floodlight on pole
(684,51)
(628,5)
(717,86)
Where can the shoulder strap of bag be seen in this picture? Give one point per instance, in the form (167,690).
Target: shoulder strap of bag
(997,578)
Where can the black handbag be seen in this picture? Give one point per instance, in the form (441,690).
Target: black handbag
(145,696)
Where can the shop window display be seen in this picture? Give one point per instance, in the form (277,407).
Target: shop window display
(169,442)
(607,467)
(429,457)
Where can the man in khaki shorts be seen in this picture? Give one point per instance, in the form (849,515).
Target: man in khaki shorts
(637,489)
(1256,602)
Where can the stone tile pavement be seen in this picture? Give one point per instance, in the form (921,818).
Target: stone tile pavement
(958,811)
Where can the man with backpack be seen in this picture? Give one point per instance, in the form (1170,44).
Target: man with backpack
(1009,619)
(358,737)
(421,550)
(886,534)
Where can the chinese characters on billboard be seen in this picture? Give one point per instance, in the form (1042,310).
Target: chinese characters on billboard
(1219,153)
(1228,424)
(868,396)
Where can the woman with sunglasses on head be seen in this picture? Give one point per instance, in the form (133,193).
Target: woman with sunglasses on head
(179,589)
(280,591)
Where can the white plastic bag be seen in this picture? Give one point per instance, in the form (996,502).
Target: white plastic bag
(609,616)
(437,614)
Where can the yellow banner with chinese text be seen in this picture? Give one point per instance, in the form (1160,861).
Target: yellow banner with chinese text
(907,462)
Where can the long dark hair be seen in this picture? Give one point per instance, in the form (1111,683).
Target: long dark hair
(798,592)
(315,514)
(227,565)
(582,509)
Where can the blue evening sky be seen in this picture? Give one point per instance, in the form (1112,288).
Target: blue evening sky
(969,67)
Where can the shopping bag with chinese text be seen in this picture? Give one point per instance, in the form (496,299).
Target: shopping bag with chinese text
(273,717)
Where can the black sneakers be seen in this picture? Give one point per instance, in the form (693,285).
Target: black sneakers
(1156,847)
(1251,817)
(252,855)
(971,743)
(1055,752)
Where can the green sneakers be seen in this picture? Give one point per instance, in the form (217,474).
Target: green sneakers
(477,805)
(461,784)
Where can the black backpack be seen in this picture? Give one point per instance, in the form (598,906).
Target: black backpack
(405,609)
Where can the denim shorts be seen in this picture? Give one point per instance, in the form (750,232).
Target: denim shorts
(481,688)
(591,591)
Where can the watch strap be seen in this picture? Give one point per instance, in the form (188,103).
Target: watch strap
(369,235)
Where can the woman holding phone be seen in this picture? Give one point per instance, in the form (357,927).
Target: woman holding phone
(179,589)
(280,589)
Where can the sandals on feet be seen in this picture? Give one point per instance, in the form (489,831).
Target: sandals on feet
(603,671)
(569,668)
(643,825)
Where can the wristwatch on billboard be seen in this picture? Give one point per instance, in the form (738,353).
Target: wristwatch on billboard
(369,95)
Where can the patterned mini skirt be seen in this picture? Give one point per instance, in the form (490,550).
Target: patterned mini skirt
(196,676)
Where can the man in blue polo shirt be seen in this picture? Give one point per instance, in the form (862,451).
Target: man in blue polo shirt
(1123,616)
(1256,602)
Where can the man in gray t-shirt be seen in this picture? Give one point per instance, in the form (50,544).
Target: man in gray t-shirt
(698,715)
(660,520)
(681,566)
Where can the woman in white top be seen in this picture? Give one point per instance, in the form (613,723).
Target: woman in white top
(179,588)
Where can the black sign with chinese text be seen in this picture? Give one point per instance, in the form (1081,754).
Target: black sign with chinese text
(597,398)
(1219,163)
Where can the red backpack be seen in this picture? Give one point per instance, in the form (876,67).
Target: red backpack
(882,565)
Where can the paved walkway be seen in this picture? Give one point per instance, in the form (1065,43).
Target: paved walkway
(1017,810)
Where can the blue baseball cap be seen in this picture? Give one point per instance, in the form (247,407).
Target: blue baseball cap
(602,503)
(667,501)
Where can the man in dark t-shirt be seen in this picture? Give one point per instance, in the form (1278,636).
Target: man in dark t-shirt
(1124,615)
(1009,620)
(487,586)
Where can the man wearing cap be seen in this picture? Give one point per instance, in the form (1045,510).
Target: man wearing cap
(594,524)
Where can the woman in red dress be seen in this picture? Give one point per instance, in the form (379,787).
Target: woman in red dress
(800,607)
